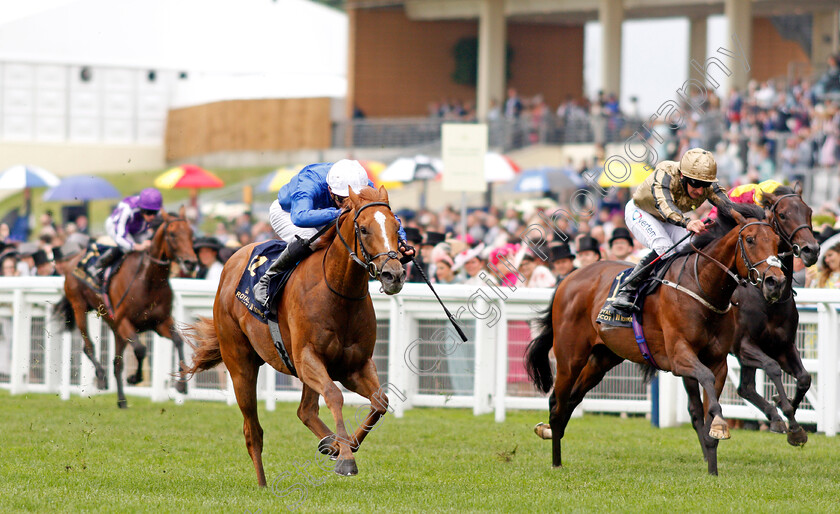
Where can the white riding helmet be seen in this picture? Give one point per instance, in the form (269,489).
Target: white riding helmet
(345,174)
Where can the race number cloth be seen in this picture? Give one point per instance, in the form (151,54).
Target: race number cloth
(262,257)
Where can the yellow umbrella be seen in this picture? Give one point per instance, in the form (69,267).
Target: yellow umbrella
(618,175)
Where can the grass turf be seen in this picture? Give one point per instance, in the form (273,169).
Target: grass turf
(86,455)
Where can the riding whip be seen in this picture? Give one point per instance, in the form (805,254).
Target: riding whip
(448,314)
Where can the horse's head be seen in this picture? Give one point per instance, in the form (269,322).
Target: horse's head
(174,238)
(376,237)
(756,258)
(791,218)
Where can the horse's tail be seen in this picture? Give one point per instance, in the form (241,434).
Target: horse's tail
(536,356)
(207,353)
(63,311)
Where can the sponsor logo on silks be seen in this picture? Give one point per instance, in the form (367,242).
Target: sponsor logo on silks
(637,215)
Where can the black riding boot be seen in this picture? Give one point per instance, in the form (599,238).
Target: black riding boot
(96,269)
(295,252)
(627,294)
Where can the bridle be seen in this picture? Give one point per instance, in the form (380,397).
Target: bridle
(166,249)
(754,276)
(787,238)
(367,260)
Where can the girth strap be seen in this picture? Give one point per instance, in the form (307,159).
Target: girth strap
(696,296)
(274,328)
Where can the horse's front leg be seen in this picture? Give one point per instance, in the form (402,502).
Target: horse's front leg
(686,363)
(752,357)
(313,373)
(366,383)
(791,363)
(167,330)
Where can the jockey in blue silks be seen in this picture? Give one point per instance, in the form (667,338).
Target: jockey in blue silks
(309,201)
(128,226)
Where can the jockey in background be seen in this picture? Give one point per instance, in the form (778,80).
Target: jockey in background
(128,226)
(750,193)
(311,200)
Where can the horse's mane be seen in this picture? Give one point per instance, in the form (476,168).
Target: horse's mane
(368,194)
(723,225)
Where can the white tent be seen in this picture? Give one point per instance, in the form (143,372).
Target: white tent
(230,49)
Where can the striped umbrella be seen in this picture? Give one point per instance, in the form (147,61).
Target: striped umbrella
(24,176)
(188,176)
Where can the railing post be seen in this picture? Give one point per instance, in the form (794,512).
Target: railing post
(66,364)
(397,346)
(270,377)
(53,364)
(21,344)
(827,374)
(161,368)
(501,330)
(484,364)
(668,399)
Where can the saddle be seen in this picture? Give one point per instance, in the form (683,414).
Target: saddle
(94,251)
(262,257)
(612,317)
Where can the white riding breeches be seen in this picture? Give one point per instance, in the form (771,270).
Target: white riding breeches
(657,235)
(281,222)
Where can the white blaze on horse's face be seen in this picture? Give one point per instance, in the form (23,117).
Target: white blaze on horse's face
(380,218)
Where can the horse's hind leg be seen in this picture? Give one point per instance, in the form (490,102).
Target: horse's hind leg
(244,370)
(751,358)
(80,314)
(313,373)
(600,363)
(167,330)
(120,342)
(791,363)
(571,358)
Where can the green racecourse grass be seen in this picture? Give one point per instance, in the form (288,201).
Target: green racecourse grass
(86,455)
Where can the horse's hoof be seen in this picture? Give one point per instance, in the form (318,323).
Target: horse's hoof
(101,384)
(542,430)
(325,446)
(778,427)
(181,386)
(122,404)
(133,380)
(797,438)
(346,468)
(719,429)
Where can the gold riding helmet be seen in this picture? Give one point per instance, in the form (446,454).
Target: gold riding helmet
(699,164)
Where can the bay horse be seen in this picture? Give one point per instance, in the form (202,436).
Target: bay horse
(765,333)
(687,330)
(326,320)
(141,297)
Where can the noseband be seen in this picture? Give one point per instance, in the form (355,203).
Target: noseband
(368,263)
(787,238)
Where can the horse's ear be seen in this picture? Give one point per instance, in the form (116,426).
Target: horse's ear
(354,198)
(182,212)
(768,199)
(383,194)
(738,217)
(164,214)
(797,188)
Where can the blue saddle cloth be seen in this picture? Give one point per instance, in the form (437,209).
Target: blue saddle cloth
(262,257)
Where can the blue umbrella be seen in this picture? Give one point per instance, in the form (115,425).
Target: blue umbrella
(81,188)
(546,179)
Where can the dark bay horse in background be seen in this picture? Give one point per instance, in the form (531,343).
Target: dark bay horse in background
(765,333)
(690,336)
(141,297)
(326,321)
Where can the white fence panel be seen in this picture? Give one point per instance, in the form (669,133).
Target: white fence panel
(417,354)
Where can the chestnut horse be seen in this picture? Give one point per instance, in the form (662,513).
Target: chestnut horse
(765,333)
(141,298)
(326,321)
(687,332)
